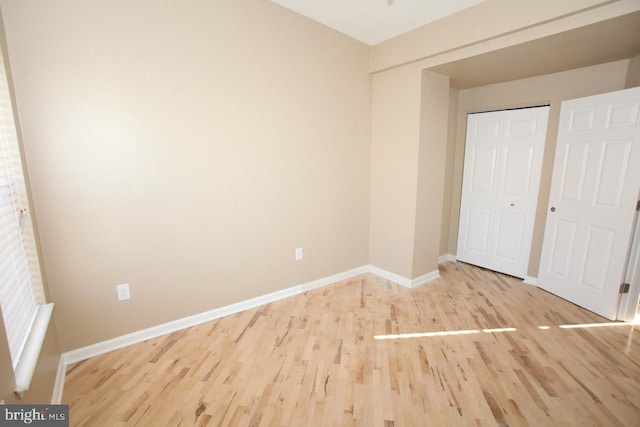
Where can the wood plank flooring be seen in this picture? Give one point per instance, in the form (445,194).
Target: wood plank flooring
(473,348)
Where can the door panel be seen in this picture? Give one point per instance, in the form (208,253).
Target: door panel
(581,120)
(564,236)
(517,174)
(612,171)
(478,230)
(483,169)
(509,241)
(486,127)
(503,158)
(598,252)
(595,186)
(622,115)
(574,169)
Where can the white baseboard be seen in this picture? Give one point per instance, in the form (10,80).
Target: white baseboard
(97,349)
(425,278)
(530,280)
(447,257)
(401,280)
(58,386)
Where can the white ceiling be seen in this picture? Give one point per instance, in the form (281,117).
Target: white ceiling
(374,21)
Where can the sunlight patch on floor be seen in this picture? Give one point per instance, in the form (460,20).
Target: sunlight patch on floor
(489,331)
(600,325)
(441,333)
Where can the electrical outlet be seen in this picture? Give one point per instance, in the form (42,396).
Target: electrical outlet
(123,292)
(299,254)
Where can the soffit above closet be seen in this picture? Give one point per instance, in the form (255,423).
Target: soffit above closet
(605,41)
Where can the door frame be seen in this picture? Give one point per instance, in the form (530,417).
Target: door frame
(628,303)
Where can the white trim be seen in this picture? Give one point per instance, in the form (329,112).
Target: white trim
(401,280)
(425,278)
(447,257)
(530,280)
(628,305)
(29,357)
(102,347)
(58,386)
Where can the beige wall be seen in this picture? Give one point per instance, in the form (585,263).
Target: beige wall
(633,72)
(432,154)
(394,168)
(408,156)
(187,148)
(447,196)
(550,88)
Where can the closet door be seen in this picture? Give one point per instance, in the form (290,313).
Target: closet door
(503,159)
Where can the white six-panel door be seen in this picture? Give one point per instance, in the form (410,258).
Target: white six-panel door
(594,190)
(503,159)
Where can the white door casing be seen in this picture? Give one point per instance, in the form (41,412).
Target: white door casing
(594,190)
(503,160)
(628,306)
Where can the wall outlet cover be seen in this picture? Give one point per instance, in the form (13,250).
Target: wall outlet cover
(123,292)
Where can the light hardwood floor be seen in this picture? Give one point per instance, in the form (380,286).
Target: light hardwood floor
(472,348)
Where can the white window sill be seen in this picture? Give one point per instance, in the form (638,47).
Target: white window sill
(29,358)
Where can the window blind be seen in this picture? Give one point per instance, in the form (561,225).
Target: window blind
(21,295)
